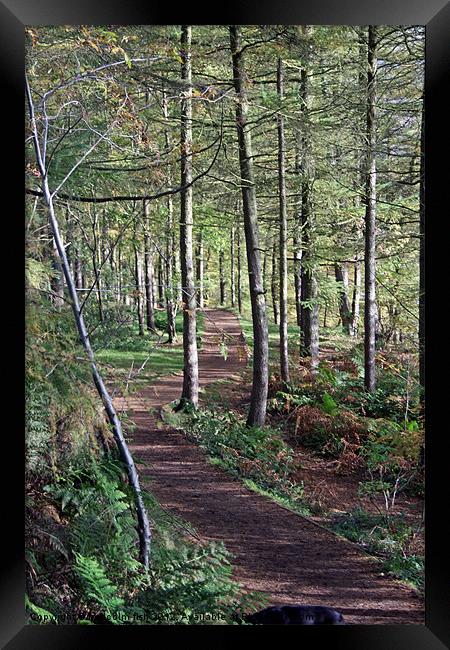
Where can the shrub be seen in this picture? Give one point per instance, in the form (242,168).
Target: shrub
(386,536)
(327,434)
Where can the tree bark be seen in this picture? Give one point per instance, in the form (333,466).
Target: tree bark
(356,296)
(232,269)
(284,353)
(239,269)
(138,274)
(161,291)
(190,368)
(171,304)
(341,275)
(222,277)
(370,307)
(274,284)
(310,310)
(149,279)
(297,240)
(96,264)
(200,271)
(258,403)
(267,255)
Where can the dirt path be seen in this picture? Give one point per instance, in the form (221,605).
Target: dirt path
(275,551)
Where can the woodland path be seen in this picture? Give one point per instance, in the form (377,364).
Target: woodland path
(275,551)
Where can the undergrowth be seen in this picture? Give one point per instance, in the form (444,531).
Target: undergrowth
(253,453)
(390,538)
(82,564)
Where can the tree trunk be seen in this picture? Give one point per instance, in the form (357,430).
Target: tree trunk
(266,256)
(148,257)
(239,269)
(190,369)
(160,282)
(310,310)
(222,277)
(119,274)
(57,281)
(232,269)
(274,284)
(200,272)
(370,307)
(284,354)
(96,263)
(298,279)
(133,478)
(297,241)
(170,241)
(258,403)
(356,296)
(170,292)
(138,272)
(341,274)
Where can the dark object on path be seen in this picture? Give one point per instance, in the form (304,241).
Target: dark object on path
(296,615)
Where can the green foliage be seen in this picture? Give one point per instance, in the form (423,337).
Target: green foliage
(101,512)
(38,614)
(38,432)
(285,400)
(192,585)
(253,453)
(388,537)
(97,588)
(186,583)
(329,405)
(408,569)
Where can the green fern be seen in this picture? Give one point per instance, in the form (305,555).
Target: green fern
(98,588)
(42,615)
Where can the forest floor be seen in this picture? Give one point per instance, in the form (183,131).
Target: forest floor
(290,558)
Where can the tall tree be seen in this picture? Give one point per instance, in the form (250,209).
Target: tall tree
(190,369)
(171,304)
(309,286)
(258,403)
(149,276)
(370,306)
(284,355)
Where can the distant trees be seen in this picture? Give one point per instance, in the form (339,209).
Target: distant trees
(323,183)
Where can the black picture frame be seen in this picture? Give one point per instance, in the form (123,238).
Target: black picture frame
(14,16)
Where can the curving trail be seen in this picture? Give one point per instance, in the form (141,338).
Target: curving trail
(275,551)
